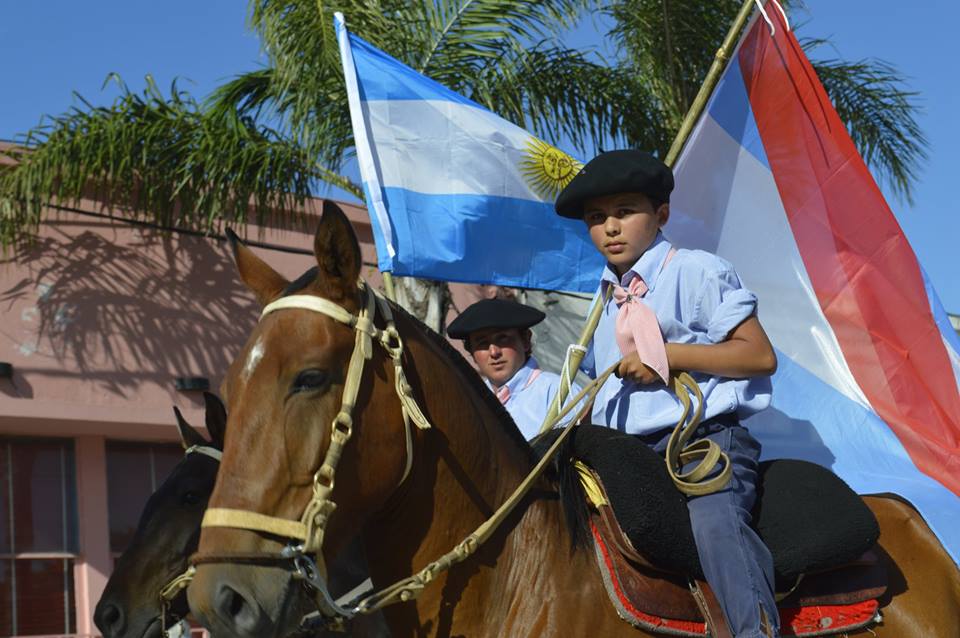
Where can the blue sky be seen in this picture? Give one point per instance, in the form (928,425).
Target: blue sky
(50,49)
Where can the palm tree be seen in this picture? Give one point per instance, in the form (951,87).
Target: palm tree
(273,135)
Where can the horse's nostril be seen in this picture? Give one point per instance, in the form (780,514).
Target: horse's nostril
(109,618)
(234,606)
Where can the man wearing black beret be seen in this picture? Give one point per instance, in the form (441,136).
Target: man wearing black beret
(497,334)
(666,309)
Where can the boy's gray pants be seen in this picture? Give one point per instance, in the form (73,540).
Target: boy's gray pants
(736,563)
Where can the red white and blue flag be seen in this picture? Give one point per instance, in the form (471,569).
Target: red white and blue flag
(869,365)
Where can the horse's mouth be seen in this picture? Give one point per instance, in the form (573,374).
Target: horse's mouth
(155,628)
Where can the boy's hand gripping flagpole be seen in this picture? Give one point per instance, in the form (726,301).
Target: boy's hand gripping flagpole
(577,351)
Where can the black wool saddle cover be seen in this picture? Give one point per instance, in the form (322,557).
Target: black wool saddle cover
(809,518)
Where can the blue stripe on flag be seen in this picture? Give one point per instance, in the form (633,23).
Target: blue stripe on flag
(940,315)
(385,78)
(810,420)
(490,240)
(730,108)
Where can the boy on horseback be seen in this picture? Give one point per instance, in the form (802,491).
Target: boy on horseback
(680,310)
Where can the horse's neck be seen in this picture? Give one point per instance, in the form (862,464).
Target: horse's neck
(472,459)
(462,473)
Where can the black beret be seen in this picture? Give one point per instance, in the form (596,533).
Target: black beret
(493,313)
(616,172)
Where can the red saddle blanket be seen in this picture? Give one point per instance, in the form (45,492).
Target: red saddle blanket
(832,602)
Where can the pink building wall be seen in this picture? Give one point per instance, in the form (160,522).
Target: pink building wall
(99,316)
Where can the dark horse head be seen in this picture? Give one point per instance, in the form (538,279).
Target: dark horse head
(167,534)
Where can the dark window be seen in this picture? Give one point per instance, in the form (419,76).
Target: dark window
(38,537)
(134,472)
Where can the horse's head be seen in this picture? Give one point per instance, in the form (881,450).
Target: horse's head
(284,393)
(167,534)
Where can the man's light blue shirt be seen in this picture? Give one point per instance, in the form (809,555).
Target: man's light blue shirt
(698,298)
(529,400)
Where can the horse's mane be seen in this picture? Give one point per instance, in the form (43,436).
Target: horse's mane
(474,381)
(562,474)
(301,282)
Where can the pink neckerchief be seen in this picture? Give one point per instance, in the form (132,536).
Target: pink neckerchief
(503,393)
(637,328)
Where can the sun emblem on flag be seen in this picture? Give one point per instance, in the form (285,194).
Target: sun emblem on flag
(547,169)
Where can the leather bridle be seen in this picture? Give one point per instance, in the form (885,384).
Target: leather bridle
(307,533)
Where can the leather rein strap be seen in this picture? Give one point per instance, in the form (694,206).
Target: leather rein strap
(705,453)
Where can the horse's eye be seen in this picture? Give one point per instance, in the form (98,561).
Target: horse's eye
(191,497)
(309,380)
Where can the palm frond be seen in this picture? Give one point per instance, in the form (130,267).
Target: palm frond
(301,46)
(454,34)
(250,94)
(481,48)
(670,45)
(157,156)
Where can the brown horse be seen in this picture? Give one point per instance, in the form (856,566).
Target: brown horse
(285,389)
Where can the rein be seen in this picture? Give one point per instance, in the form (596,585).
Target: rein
(309,530)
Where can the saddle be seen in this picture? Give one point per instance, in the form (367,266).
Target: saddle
(819,532)
(834,601)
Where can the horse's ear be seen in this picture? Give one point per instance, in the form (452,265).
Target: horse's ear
(216,419)
(188,436)
(264,281)
(336,248)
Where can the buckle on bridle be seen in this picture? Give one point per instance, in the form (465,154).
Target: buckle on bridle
(305,570)
(304,567)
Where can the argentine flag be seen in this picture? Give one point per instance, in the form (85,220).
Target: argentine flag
(869,372)
(456,193)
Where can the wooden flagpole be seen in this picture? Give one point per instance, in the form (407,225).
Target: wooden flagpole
(720,61)
(576,353)
(388,288)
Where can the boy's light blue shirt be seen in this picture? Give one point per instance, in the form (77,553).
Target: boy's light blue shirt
(698,298)
(528,404)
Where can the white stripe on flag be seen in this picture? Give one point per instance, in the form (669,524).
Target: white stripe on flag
(737,213)
(954,359)
(456,149)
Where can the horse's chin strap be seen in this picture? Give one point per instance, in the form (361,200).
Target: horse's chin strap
(205,450)
(310,529)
